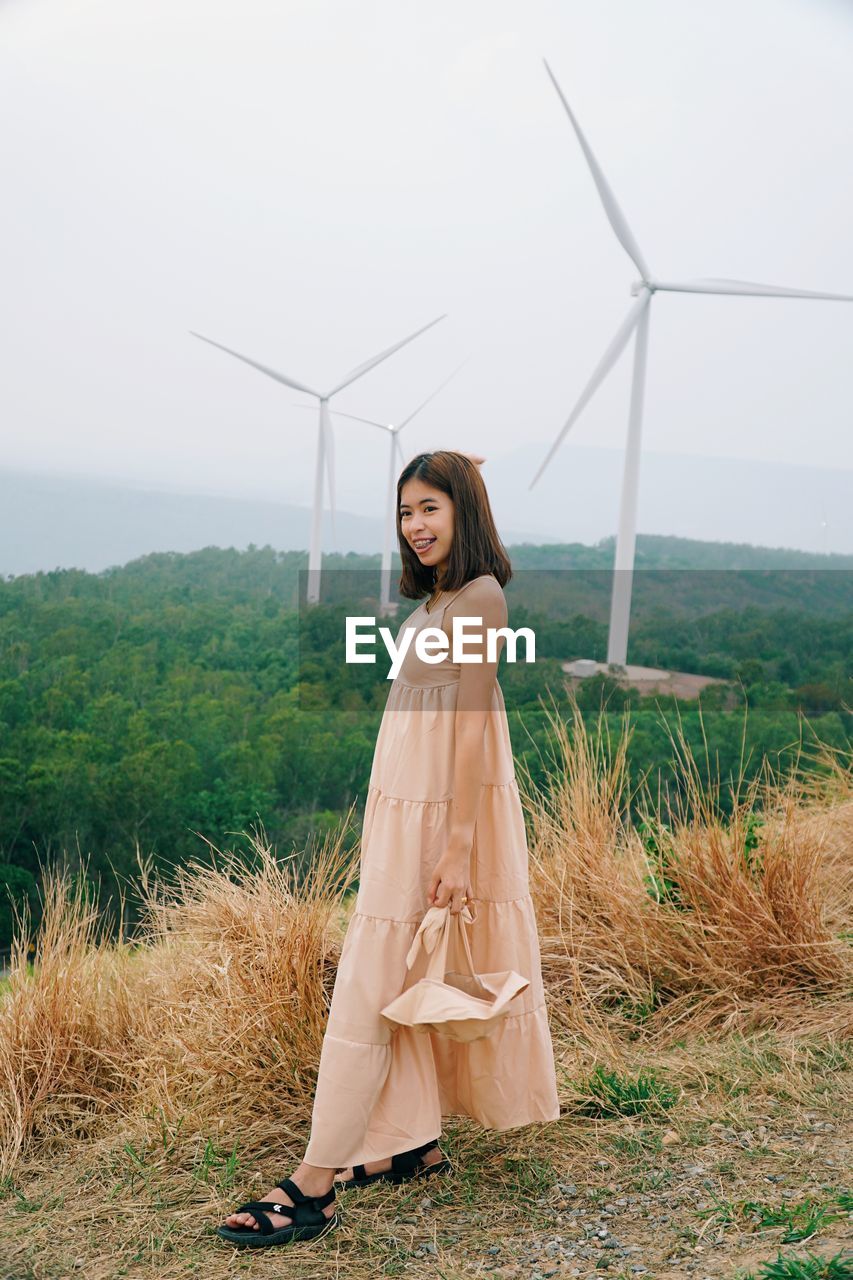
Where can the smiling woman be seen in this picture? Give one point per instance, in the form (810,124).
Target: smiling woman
(443,827)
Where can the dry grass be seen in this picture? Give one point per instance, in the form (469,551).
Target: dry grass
(222,997)
(700,920)
(144,1083)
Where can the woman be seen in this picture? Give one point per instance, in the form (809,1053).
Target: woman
(443,826)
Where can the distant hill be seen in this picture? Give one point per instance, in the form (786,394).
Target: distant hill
(747,510)
(675,579)
(50,521)
(653,551)
(688,497)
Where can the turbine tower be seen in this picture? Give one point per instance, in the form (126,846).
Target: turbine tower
(394,453)
(325,441)
(638,319)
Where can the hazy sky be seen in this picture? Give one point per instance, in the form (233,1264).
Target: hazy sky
(309,180)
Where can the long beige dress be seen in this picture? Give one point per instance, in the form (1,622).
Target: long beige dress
(380,1092)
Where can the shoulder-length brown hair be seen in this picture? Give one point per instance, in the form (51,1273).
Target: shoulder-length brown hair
(476,548)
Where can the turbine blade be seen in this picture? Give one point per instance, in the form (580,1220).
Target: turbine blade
(615,216)
(399,449)
(375,360)
(262,368)
(384,426)
(747,288)
(355,418)
(406,421)
(605,364)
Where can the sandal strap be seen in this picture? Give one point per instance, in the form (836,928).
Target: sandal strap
(256,1209)
(299,1197)
(359,1172)
(320,1202)
(406,1162)
(295,1212)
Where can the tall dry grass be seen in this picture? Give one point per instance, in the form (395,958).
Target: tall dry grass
(213,1014)
(211,1018)
(691,919)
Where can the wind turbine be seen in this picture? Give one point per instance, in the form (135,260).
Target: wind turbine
(824,524)
(325,441)
(638,319)
(394,453)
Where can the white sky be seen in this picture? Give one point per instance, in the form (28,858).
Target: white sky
(310,180)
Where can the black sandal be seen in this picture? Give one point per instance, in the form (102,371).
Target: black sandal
(308,1222)
(404,1166)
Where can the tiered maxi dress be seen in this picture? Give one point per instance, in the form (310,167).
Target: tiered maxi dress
(380,1092)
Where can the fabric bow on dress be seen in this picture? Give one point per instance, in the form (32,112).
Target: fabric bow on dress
(431,930)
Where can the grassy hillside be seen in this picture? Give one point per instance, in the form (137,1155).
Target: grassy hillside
(698,970)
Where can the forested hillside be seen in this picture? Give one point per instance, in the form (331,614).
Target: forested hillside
(181,698)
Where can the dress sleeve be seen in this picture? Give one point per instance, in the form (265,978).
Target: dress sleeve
(482,600)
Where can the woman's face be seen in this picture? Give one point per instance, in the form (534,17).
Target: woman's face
(426,520)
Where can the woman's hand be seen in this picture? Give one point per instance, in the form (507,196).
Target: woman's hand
(451,881)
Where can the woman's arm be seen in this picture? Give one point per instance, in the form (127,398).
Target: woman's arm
(483,600)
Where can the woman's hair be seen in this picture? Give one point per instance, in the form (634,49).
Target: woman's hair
(476,548)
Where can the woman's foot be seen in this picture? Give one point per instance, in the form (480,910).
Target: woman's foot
(310,1180)
(379,1166)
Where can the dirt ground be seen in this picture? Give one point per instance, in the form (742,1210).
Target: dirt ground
(653,1217)
(677,1197)
(649,680)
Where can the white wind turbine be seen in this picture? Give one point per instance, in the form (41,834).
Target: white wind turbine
(638,318)
(394,453)
(325,441)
